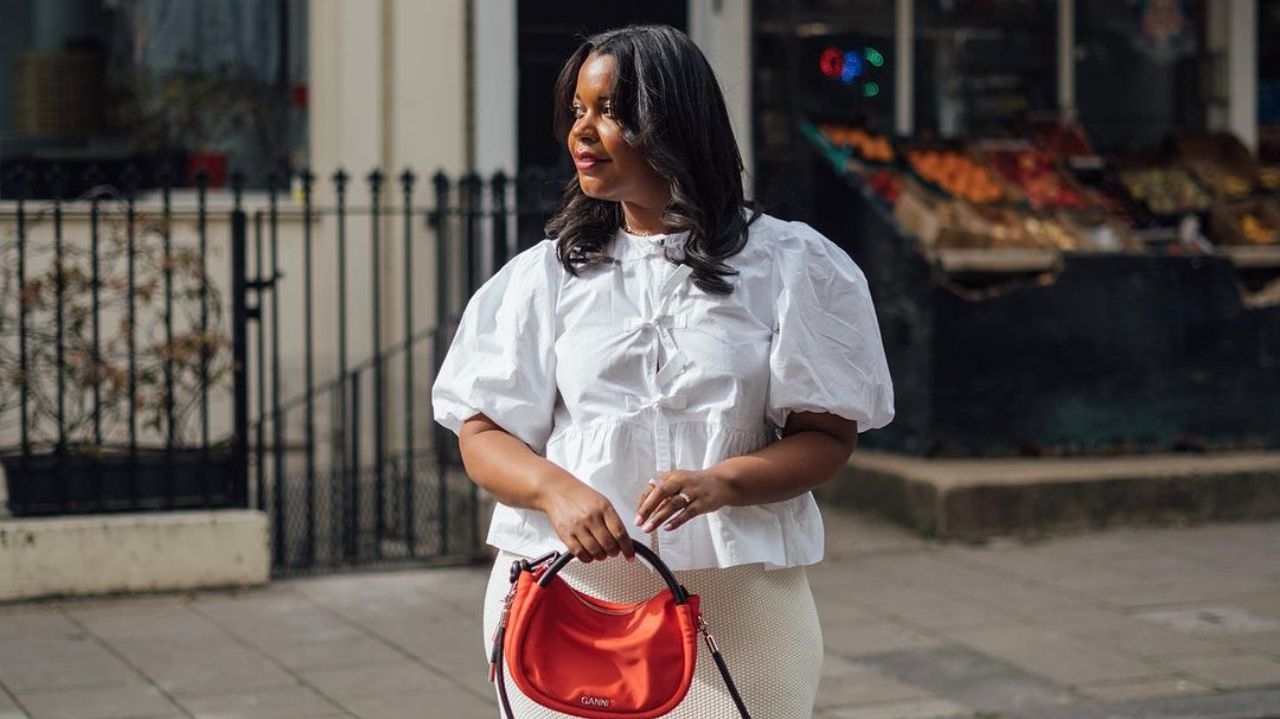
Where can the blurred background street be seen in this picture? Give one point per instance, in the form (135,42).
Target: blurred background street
(236,237)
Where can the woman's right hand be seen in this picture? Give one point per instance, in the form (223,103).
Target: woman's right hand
(585,520)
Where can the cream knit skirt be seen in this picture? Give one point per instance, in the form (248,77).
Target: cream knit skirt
(765,622)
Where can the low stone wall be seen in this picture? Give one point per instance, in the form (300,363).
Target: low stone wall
(104,554)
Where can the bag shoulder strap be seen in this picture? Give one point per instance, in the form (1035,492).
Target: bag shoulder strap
(496,670)
(723,667)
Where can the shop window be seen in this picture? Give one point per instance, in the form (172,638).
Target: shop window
(817,63)
(1141,71)
(169,87)
(823,61)
(983,66)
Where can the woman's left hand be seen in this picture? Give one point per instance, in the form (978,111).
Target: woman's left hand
(679,495)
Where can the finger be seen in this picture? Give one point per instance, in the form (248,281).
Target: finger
(574,547)
(648,500)
(614,523)
(604,538)
(590,547)
(644,495)
(665,511)
(691,510)
(660,493)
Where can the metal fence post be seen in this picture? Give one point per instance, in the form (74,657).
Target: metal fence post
(239,342)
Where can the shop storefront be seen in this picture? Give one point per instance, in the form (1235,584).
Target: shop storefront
(1069,210)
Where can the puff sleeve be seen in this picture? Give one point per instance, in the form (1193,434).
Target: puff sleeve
(502,359)
(827,355)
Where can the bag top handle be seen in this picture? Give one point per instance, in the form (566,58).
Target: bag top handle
(559,560)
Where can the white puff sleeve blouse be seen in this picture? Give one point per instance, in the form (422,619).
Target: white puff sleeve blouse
(502,361)
(630,369)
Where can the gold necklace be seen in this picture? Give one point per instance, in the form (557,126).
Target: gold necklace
(627,228)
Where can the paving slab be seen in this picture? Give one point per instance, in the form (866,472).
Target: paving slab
(918,605)
(328,653)
(1216,621)
(834,607)
(1231,670)
(288,703)
(170,622)
(1259,704)
(9,709)
(203,672)
(1166,686)
(99,670)
(463,659)
(136,701)
(1264,645)
(419,704)
(1158,592)
(27,651)
(1057,657)
(961,675)
(915,709)
(984,585)
(855,639)
(40,622)
(1128,633)
(846,682)
(373,680)
(1266,604)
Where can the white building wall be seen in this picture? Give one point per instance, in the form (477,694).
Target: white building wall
(389,90)
(723,31)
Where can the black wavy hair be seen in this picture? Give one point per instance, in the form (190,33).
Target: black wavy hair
(668,102)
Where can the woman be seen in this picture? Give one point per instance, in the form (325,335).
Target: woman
(669,368)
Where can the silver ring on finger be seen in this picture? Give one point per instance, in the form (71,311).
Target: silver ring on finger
(685,497)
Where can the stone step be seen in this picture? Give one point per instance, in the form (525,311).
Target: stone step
(971,499)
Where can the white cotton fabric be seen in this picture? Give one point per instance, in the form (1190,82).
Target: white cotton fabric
(630,369)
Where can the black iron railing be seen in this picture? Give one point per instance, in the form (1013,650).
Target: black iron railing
(300,390)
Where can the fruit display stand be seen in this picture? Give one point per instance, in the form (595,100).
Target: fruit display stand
(1036,174)
(1158,197)
(1004,349)
(1249,223)
(950,169)
(1102,230)
(862,143)
(1052,194)
(1025,198)
(1165,191)
(1222,164)
(1097,176)
(1269,178)
(1248,233)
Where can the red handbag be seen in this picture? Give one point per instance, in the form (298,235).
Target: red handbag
(586,657)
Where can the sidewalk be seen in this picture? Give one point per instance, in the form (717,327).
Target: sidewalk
(1126,623)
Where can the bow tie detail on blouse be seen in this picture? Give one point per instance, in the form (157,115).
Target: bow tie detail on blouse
(659,326)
